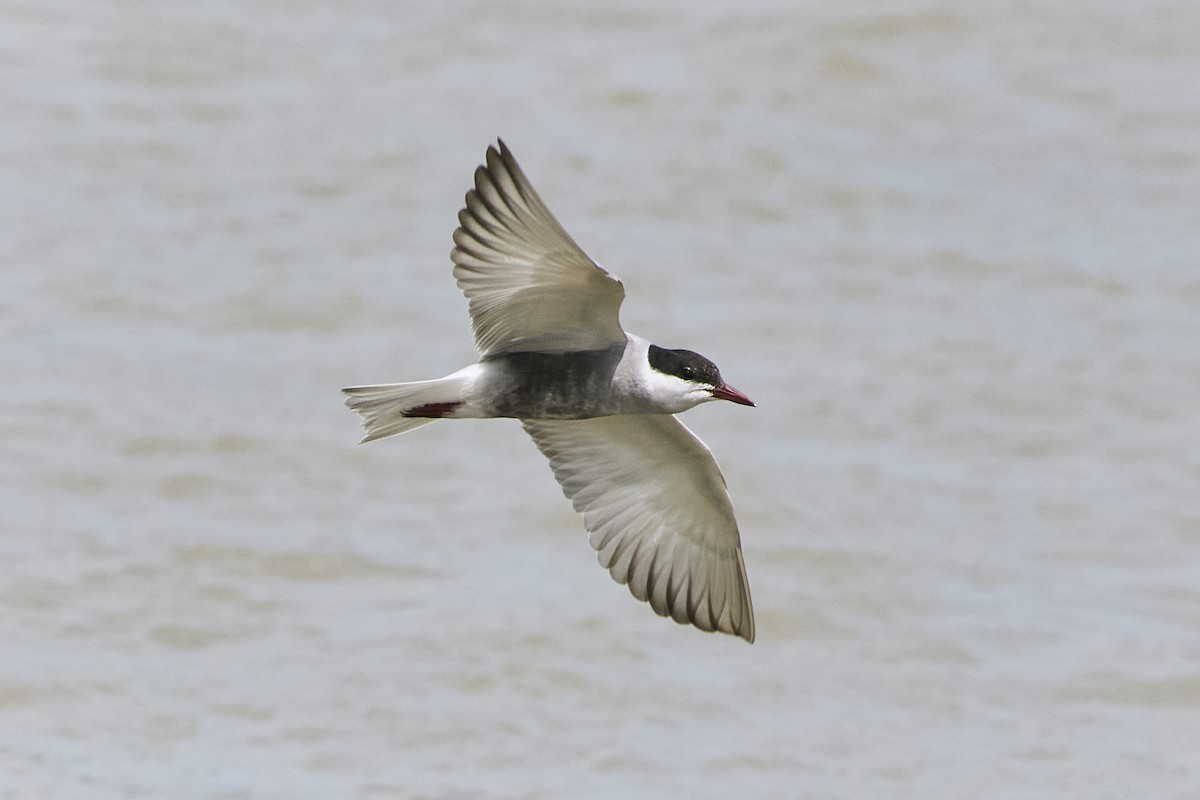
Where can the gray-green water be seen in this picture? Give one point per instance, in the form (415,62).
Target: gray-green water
(953,252)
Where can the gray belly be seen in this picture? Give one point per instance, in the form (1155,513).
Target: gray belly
(555,385)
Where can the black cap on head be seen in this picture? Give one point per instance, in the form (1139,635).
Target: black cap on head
(684,364)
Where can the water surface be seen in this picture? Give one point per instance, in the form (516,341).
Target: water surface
(953,254)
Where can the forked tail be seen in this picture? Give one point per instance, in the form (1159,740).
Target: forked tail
(394,408)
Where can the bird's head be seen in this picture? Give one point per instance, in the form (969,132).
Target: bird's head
(690,378)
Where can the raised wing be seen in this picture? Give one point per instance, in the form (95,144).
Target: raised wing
(530,287)
(657,512)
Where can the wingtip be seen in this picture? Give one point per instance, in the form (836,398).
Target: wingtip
(745,632)
(500,152)
(743,629)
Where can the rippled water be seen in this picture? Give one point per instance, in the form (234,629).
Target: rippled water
(953,253)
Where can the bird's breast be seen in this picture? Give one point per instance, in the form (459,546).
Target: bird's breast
(536,385)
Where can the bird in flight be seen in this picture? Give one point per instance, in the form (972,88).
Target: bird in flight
(598,402)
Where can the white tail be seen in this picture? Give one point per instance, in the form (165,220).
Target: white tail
(388,409)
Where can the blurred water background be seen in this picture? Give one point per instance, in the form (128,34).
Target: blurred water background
(952,251)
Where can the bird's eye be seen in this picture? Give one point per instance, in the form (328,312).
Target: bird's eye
(687,373)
